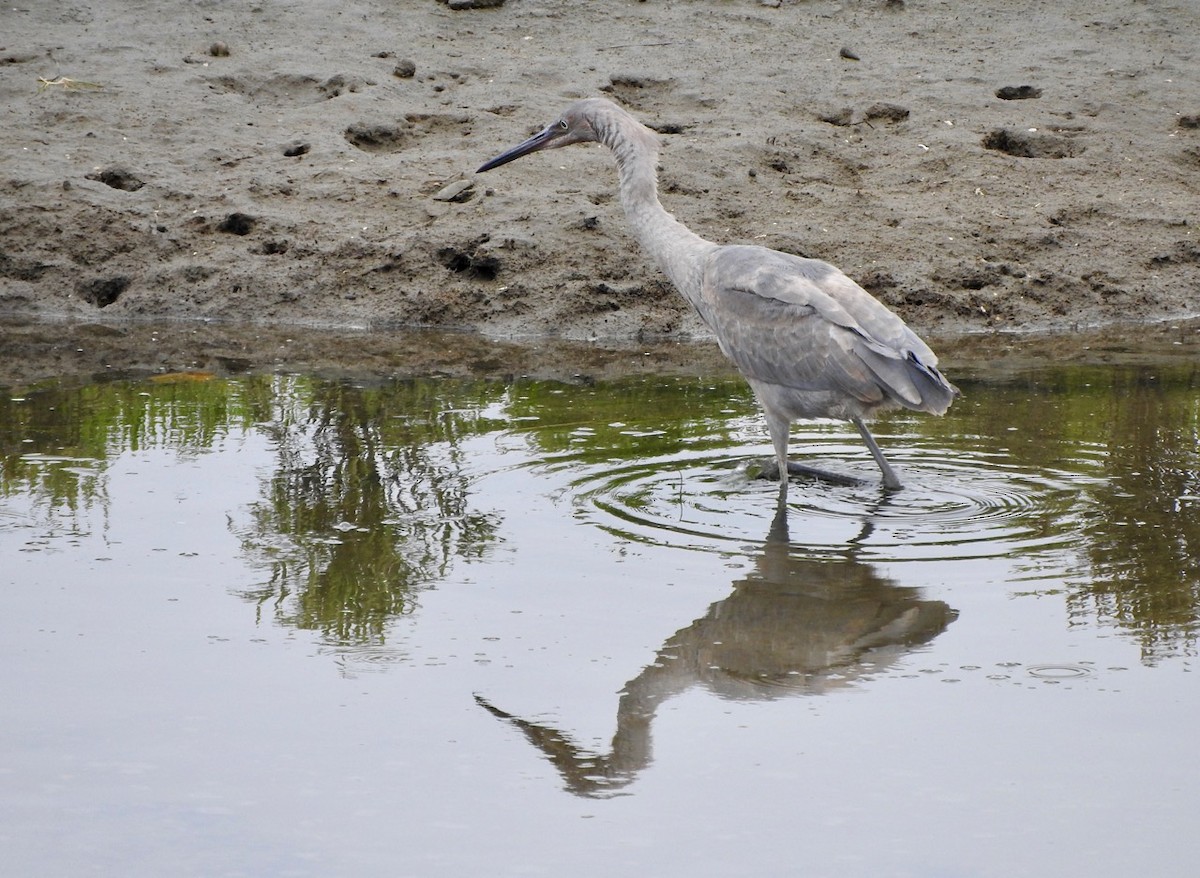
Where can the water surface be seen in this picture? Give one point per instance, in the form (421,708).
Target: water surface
(276,623)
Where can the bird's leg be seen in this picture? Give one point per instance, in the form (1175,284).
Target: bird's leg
(778,427)
(890,479)
(780,430)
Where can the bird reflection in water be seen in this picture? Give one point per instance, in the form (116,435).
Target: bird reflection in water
(795,625)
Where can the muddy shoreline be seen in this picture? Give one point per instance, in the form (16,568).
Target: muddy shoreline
(35,351)
(274,165)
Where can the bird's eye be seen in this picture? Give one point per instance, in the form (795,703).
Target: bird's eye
(562,123)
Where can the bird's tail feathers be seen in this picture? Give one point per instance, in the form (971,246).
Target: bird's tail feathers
(909,381)
(936,392)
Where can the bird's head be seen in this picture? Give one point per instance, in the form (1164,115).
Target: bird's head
(582,122)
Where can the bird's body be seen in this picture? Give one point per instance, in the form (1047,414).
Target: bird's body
(810,341)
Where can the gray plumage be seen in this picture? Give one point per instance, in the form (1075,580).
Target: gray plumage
(811,342)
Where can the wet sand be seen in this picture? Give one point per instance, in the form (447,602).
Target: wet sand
(1018,167)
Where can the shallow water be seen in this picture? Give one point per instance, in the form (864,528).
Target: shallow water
(279,624)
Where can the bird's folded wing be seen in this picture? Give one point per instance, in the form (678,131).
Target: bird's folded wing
(803,324)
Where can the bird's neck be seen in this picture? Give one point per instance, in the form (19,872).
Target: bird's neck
(677,249)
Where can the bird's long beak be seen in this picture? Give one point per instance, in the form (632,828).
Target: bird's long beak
(544,139)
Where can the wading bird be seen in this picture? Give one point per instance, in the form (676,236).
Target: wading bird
(811,342)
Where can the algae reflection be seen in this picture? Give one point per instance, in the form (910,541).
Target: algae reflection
(365,503)
(1132,435)
(57,439)
(368,500)
(1144,540)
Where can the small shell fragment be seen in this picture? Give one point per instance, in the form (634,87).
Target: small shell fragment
(459,190)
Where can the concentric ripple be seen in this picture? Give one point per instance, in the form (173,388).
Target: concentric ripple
(957,503)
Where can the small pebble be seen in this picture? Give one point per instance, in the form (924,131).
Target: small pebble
(405,69)
(848,53)
(219,50)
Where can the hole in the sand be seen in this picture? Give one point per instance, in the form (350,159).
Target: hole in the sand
(103,291)
(885,112)
(237,224)
(284,89)
(21,269)
(633,90)
(1030,145)
(340,84)
(376,138)
(1018,93)
(274,247)
(118,178)
(469,264)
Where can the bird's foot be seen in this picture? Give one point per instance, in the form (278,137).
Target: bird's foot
(769,469)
